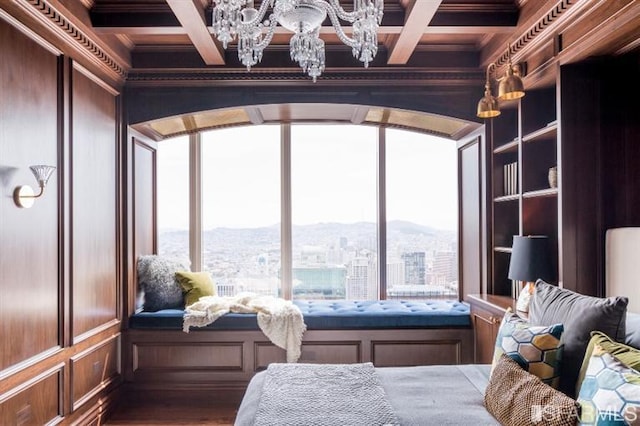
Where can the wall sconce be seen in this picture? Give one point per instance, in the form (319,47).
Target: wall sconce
(23,195)
(488,105)
(510,87)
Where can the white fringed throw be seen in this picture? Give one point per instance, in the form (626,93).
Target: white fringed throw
(280,320)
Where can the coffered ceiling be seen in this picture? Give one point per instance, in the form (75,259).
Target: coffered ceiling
(416,36)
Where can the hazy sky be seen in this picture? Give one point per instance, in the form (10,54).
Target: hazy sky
(333,177)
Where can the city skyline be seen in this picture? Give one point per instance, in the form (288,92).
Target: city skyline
(330,261)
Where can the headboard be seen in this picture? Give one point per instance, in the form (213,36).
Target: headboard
(622,265)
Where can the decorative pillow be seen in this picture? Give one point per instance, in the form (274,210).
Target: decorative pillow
(632,337)
(515,397)
(157,278)
(580,315)
(536,349)
(195,285)
(628,355)
(610,392)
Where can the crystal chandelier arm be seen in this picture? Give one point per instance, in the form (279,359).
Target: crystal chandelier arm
(264,6)
(343,14)
(344,38)
(269,35)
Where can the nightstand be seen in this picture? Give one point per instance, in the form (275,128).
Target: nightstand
(487,311)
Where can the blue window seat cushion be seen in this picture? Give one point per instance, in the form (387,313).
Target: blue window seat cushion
(333,315)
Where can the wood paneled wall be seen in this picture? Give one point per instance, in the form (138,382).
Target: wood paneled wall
(29,280)
(60,281)
(600,150)
(93,163)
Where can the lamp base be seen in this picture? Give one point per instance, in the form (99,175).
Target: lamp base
(525,297)
(24,196)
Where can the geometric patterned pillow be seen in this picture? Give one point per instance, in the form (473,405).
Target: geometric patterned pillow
(537,349)
(610,392)
(627,355)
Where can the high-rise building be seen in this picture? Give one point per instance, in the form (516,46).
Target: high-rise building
(395,273)
(414,268)
(444,268)
(357,279)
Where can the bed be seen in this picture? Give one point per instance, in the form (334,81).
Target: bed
(418,395)
(455,394)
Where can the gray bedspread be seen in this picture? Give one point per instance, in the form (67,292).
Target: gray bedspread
(428,395)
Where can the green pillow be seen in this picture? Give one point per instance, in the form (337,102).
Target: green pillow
(195,285)
(628,355)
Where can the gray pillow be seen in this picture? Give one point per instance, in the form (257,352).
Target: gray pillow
(157,278)
(580,315)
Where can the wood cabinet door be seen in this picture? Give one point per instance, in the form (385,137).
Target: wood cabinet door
(486,325)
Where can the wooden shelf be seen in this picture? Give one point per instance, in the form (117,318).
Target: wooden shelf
(500,249)
(534,209)
(507,147)
(545,133)
(504,198)
(548,192)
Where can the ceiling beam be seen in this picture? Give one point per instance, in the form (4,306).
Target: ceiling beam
(391,29)
(190,14)
(419,15)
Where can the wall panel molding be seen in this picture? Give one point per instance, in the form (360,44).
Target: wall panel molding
(94,215)
(94,369)
(29,261)
(36,401)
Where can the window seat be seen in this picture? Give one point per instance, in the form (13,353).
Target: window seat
(333,315)
(224,356)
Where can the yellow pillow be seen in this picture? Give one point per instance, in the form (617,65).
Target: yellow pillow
(195,285)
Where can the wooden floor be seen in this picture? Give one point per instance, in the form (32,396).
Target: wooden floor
(175,411)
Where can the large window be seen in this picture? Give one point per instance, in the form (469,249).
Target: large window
(173,197)
(333,199)
(241,209)
(328,202)
(422,216)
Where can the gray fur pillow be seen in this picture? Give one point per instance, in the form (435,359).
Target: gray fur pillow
(157,278)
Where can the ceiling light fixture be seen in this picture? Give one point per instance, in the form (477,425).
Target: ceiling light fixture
(303,18)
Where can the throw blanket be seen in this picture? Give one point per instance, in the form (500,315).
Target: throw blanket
(280,320)
(323,395)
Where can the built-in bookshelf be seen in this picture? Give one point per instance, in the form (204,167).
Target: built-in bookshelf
(524,145)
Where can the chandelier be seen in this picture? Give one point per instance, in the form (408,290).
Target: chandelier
(239,18)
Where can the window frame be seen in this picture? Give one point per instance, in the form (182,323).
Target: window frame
(196,206)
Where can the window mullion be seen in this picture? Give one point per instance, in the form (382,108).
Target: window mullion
(195,201)
(286,258)
(382,214)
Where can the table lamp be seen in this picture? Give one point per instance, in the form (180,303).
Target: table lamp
(529,262)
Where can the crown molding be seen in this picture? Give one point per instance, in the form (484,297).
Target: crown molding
(45,13)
